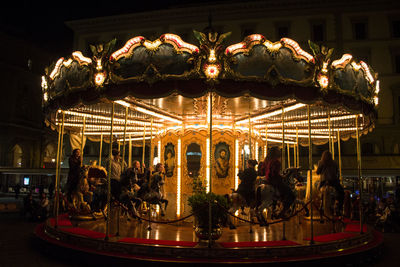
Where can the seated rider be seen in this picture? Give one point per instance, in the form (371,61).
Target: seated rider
(273,177)
(329,175)
(248,178)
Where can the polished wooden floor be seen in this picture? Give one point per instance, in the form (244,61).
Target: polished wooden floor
(296,229)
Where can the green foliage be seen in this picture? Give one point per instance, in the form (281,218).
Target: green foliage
(199,202)
(197,185)
(314,47)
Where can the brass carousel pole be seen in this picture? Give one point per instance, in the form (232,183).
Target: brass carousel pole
(360,182)
(298,147)
(250,154)
(59,170)
(101,148)
(339,157)
(83,138)
(288,154)
(57,159)
(294,156)
(283,157)
(210,181)
(122,164)
(130,152)
(151,143)
(266,141)
(109,176)
(310,167)
(144,144)
(329,130)
(124,142)
(283,163)
(333,146)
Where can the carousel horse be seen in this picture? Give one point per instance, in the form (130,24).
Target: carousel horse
(267,196)
(236,201)
(328,205)
(152,194)
(81,196)
(128,197)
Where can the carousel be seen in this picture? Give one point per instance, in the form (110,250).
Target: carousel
(203,110)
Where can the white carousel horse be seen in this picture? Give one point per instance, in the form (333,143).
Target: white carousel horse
(267,196)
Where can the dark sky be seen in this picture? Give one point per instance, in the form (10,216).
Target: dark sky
(43,22)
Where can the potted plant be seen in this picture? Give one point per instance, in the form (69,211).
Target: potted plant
(200,203)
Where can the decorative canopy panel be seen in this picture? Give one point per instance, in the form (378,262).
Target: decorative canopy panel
(252,81)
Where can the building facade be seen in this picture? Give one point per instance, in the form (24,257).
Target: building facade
(369,30)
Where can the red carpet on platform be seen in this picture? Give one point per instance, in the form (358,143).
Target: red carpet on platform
(84,232)
(63,220)
(347,220)
(355,228)
(158,242)
(259,244)
(331,237)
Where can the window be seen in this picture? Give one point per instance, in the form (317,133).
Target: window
(282,31)
(362,53)
(318,33)
(395,25)
(367,149)
(360,30)
(397,63)
(247,30)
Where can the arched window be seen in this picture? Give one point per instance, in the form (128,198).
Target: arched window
(367,149)
(17,156)
(50,153)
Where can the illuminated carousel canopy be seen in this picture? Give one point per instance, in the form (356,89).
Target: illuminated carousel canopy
(255,80)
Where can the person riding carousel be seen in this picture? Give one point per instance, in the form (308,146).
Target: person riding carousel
(329,176)
(248,178)
(273,177)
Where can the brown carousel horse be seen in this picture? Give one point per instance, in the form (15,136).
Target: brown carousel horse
(87,199)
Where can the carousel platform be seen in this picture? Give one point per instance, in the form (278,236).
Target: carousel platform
(178,242)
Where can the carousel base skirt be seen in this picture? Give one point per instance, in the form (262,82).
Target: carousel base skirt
(132,240)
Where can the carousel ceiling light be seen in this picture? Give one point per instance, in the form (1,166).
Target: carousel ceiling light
(134,139)
(152,45)
(271,114)
(56,69)
(212,71)
(376,100)
(102,117)
(99,78)
(130,44)
(294,46)
(377,87)
(176,39)
(341,63)
(323,81)
(67,63)
(355,66)
(82,60)
(278,141)
(367,72)
(294,123)
(158,115)
(211,57)
(123,103)
(272,47)
(44,83)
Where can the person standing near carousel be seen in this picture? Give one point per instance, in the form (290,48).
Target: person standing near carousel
(118,165)
(75,161)
(272,165)
(248,178)
(329,173)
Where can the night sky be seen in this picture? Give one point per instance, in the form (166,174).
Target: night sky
(42,22)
